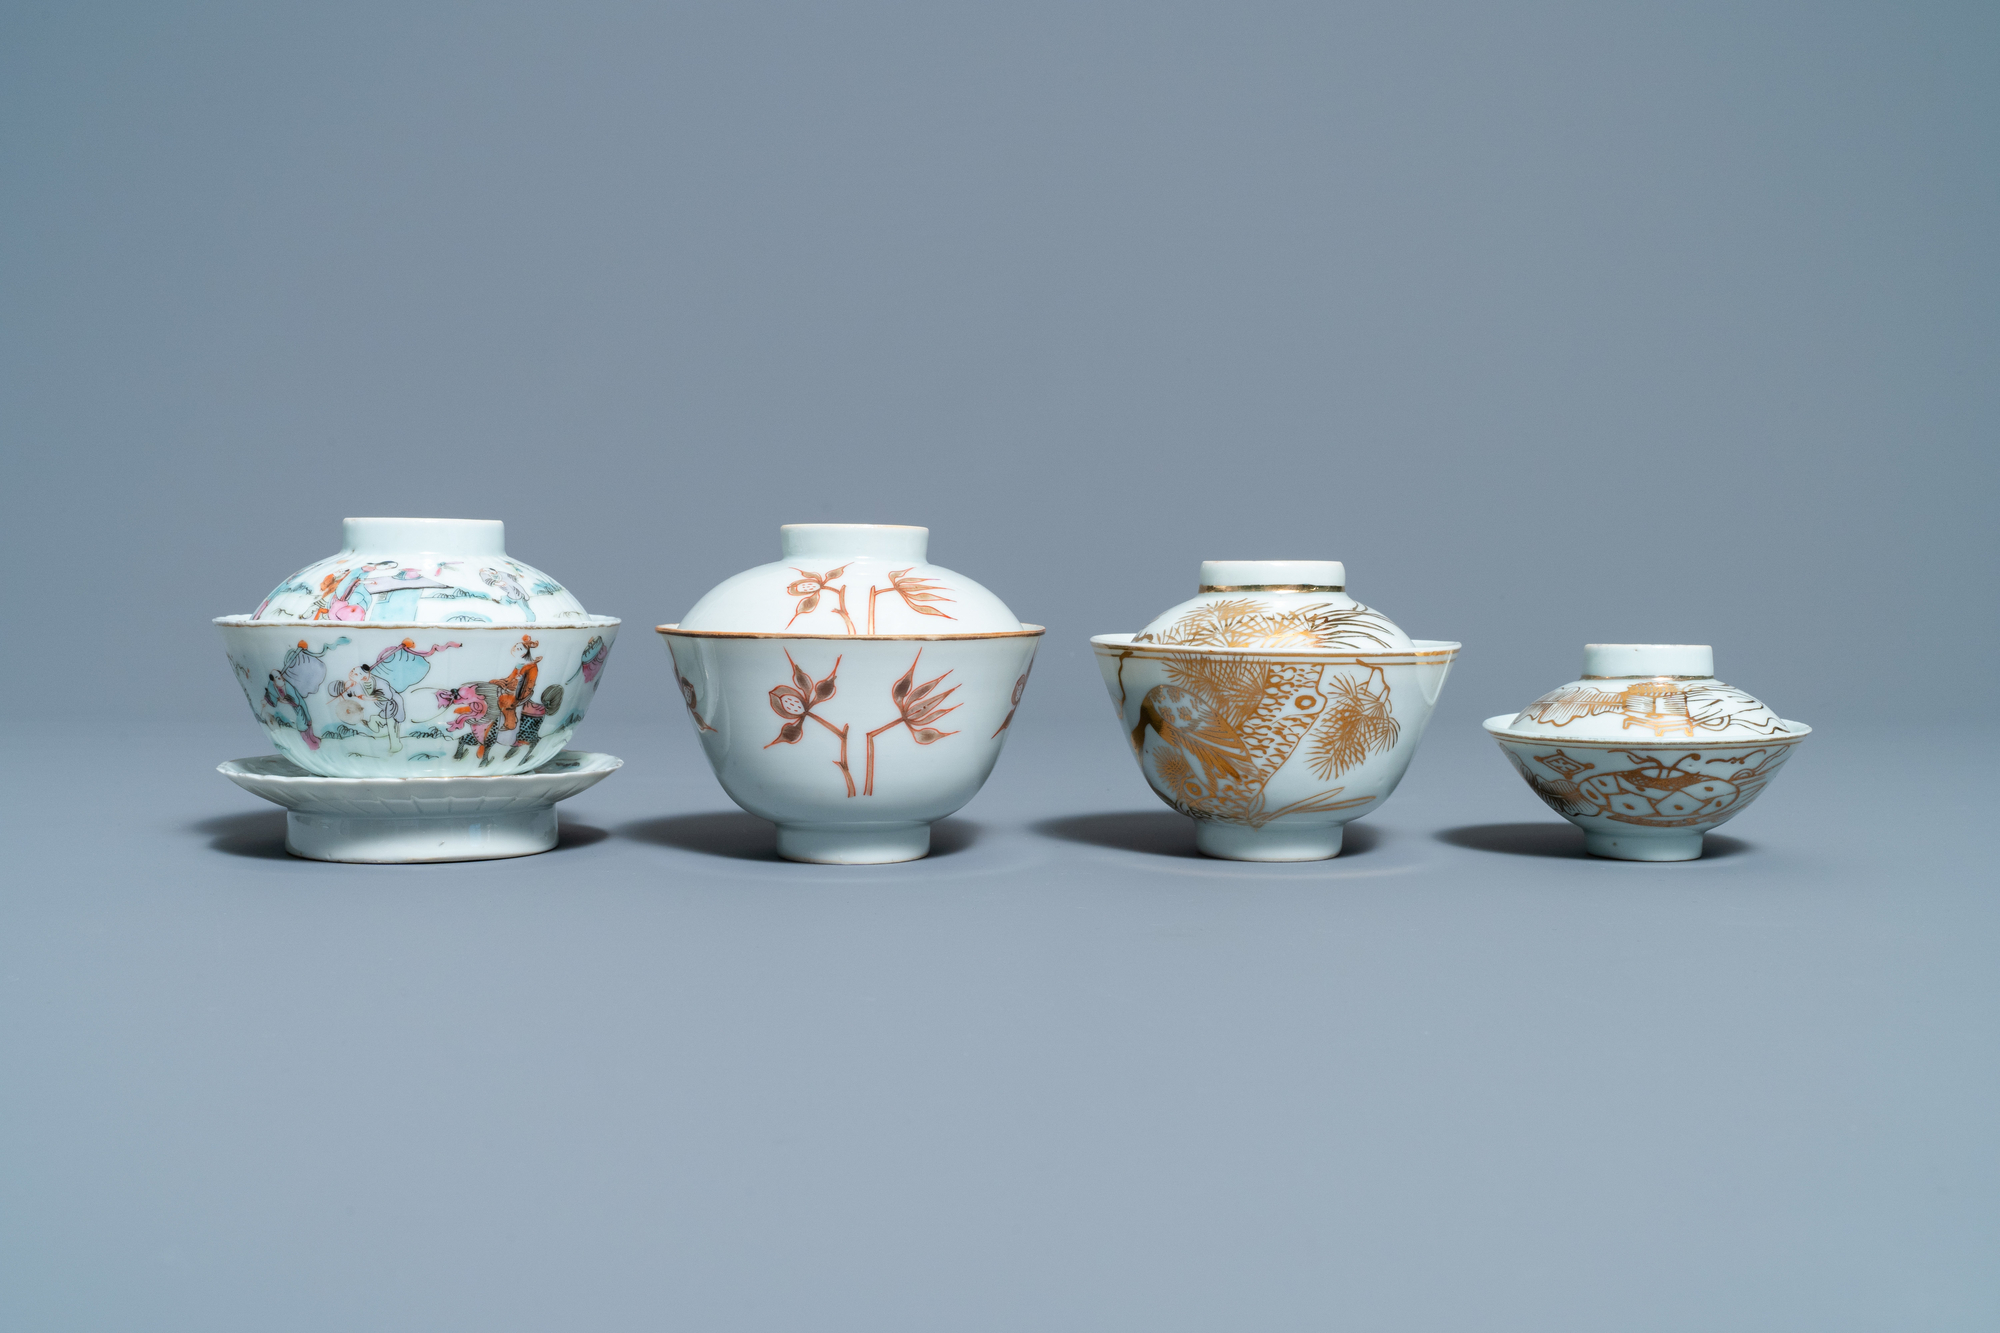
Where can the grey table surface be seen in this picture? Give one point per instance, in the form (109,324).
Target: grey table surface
(1065,1074)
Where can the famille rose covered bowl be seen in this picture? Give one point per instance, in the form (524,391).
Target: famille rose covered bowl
(420,650)
(1273,708)
(851,693)
(1648,750)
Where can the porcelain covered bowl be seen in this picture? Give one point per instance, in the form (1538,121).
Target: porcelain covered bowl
(1647,750)
(851,692)
(419,650)
(1272,708)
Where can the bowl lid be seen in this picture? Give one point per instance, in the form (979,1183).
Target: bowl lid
(1293,604)
(421,571)
(860,579)
(1643,693)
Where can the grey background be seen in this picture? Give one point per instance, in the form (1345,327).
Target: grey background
(1557,323)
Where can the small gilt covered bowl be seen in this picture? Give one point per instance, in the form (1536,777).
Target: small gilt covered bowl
(1646,751)
(420,649)
(1273,708)
(852,693)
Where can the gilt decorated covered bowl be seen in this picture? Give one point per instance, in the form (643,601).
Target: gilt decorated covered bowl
(1647,750)
(1272,708)
(420,649)
(852,693)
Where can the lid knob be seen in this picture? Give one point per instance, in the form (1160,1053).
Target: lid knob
(452,536)
(884,541)
(1273,576)
(1610,660)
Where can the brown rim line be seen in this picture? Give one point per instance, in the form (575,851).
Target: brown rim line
(1446,651)
(1646,678)
(1271,587)
(1025,632)
(1676,743)
(455,626)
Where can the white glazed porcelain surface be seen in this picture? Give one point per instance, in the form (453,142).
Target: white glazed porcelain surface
(851,579)
(1275,604)
(852,746)
(420,571)
(1650,707)
(1272,752)
(420,650)
(1272,708)
(419,819)
(376,701)
(1646,764)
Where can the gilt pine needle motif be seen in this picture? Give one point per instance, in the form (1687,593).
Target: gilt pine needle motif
(1223,726)
(1357,723)
(1245,622)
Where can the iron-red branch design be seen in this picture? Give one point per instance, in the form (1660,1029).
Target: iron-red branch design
(917,707)
(795,703)
(916,593)
(1020,687)
(694,703)
(809,587)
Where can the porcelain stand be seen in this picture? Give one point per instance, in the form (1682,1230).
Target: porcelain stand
(1273,842)
(854,844)
(410,820)
(397,839)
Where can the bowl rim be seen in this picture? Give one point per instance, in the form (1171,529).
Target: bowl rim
(675,631)
(243,621)
(590,761)
(1496,725)
(1422,651)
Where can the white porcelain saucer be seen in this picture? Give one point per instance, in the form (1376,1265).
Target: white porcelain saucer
(396,820)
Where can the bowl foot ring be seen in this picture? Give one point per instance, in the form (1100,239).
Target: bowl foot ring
(853,845)
(1666,845)
(1273,842)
